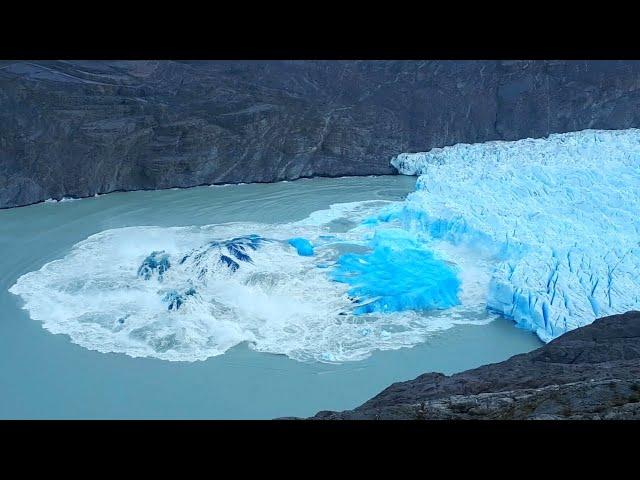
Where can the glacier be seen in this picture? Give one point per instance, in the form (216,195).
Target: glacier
(556,218)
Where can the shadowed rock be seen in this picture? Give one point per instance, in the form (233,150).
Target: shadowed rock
(77,128)
(592,372)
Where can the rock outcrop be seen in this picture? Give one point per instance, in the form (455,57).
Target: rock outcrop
(76,128)
(592,372)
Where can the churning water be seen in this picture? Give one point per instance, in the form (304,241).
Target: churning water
(246,301)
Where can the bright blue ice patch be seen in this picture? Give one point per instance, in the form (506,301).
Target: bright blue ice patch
(386,215)
(398,274)
(302,245)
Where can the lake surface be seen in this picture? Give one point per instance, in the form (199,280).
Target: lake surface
(46,375)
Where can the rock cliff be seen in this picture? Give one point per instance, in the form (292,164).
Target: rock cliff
(76,128)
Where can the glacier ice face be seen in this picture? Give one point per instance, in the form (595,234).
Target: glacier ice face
(557,217)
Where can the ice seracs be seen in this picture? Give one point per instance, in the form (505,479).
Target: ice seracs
(560,216)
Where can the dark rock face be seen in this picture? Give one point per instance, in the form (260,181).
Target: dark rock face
(77,128)
(592,372)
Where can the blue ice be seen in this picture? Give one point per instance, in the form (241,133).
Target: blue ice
(175,300)
(222,251)
(302,245)
(398,274)
(558,216)
(156,262)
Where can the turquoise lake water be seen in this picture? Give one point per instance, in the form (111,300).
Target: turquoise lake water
(46,375)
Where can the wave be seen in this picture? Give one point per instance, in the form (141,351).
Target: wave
(330,288)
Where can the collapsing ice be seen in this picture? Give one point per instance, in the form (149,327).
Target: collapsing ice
(397,274)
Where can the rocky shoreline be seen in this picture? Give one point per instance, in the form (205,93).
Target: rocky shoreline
(589,373)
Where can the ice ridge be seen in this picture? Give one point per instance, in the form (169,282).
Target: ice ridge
(559,217)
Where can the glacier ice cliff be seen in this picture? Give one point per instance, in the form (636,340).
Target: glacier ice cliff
(558,218)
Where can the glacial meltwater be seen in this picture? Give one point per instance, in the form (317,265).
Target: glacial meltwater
(233,302)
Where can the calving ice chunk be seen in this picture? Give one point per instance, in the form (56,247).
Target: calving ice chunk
(398,273)
(559,216)
(190,293)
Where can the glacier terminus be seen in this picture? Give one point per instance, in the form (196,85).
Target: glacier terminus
(557,218)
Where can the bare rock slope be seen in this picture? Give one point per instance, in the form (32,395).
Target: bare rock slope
(592,372)
(76,128)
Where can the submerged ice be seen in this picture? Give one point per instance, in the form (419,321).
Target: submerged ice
(558,218)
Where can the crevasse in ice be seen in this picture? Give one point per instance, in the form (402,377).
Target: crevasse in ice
(559,217)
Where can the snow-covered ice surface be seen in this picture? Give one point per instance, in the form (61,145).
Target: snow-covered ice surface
(556,219)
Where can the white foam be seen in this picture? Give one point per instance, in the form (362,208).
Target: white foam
(282,303)
(354,212)
(62,200)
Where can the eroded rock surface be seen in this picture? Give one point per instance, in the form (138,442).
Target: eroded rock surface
(77,128)
(592,372)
